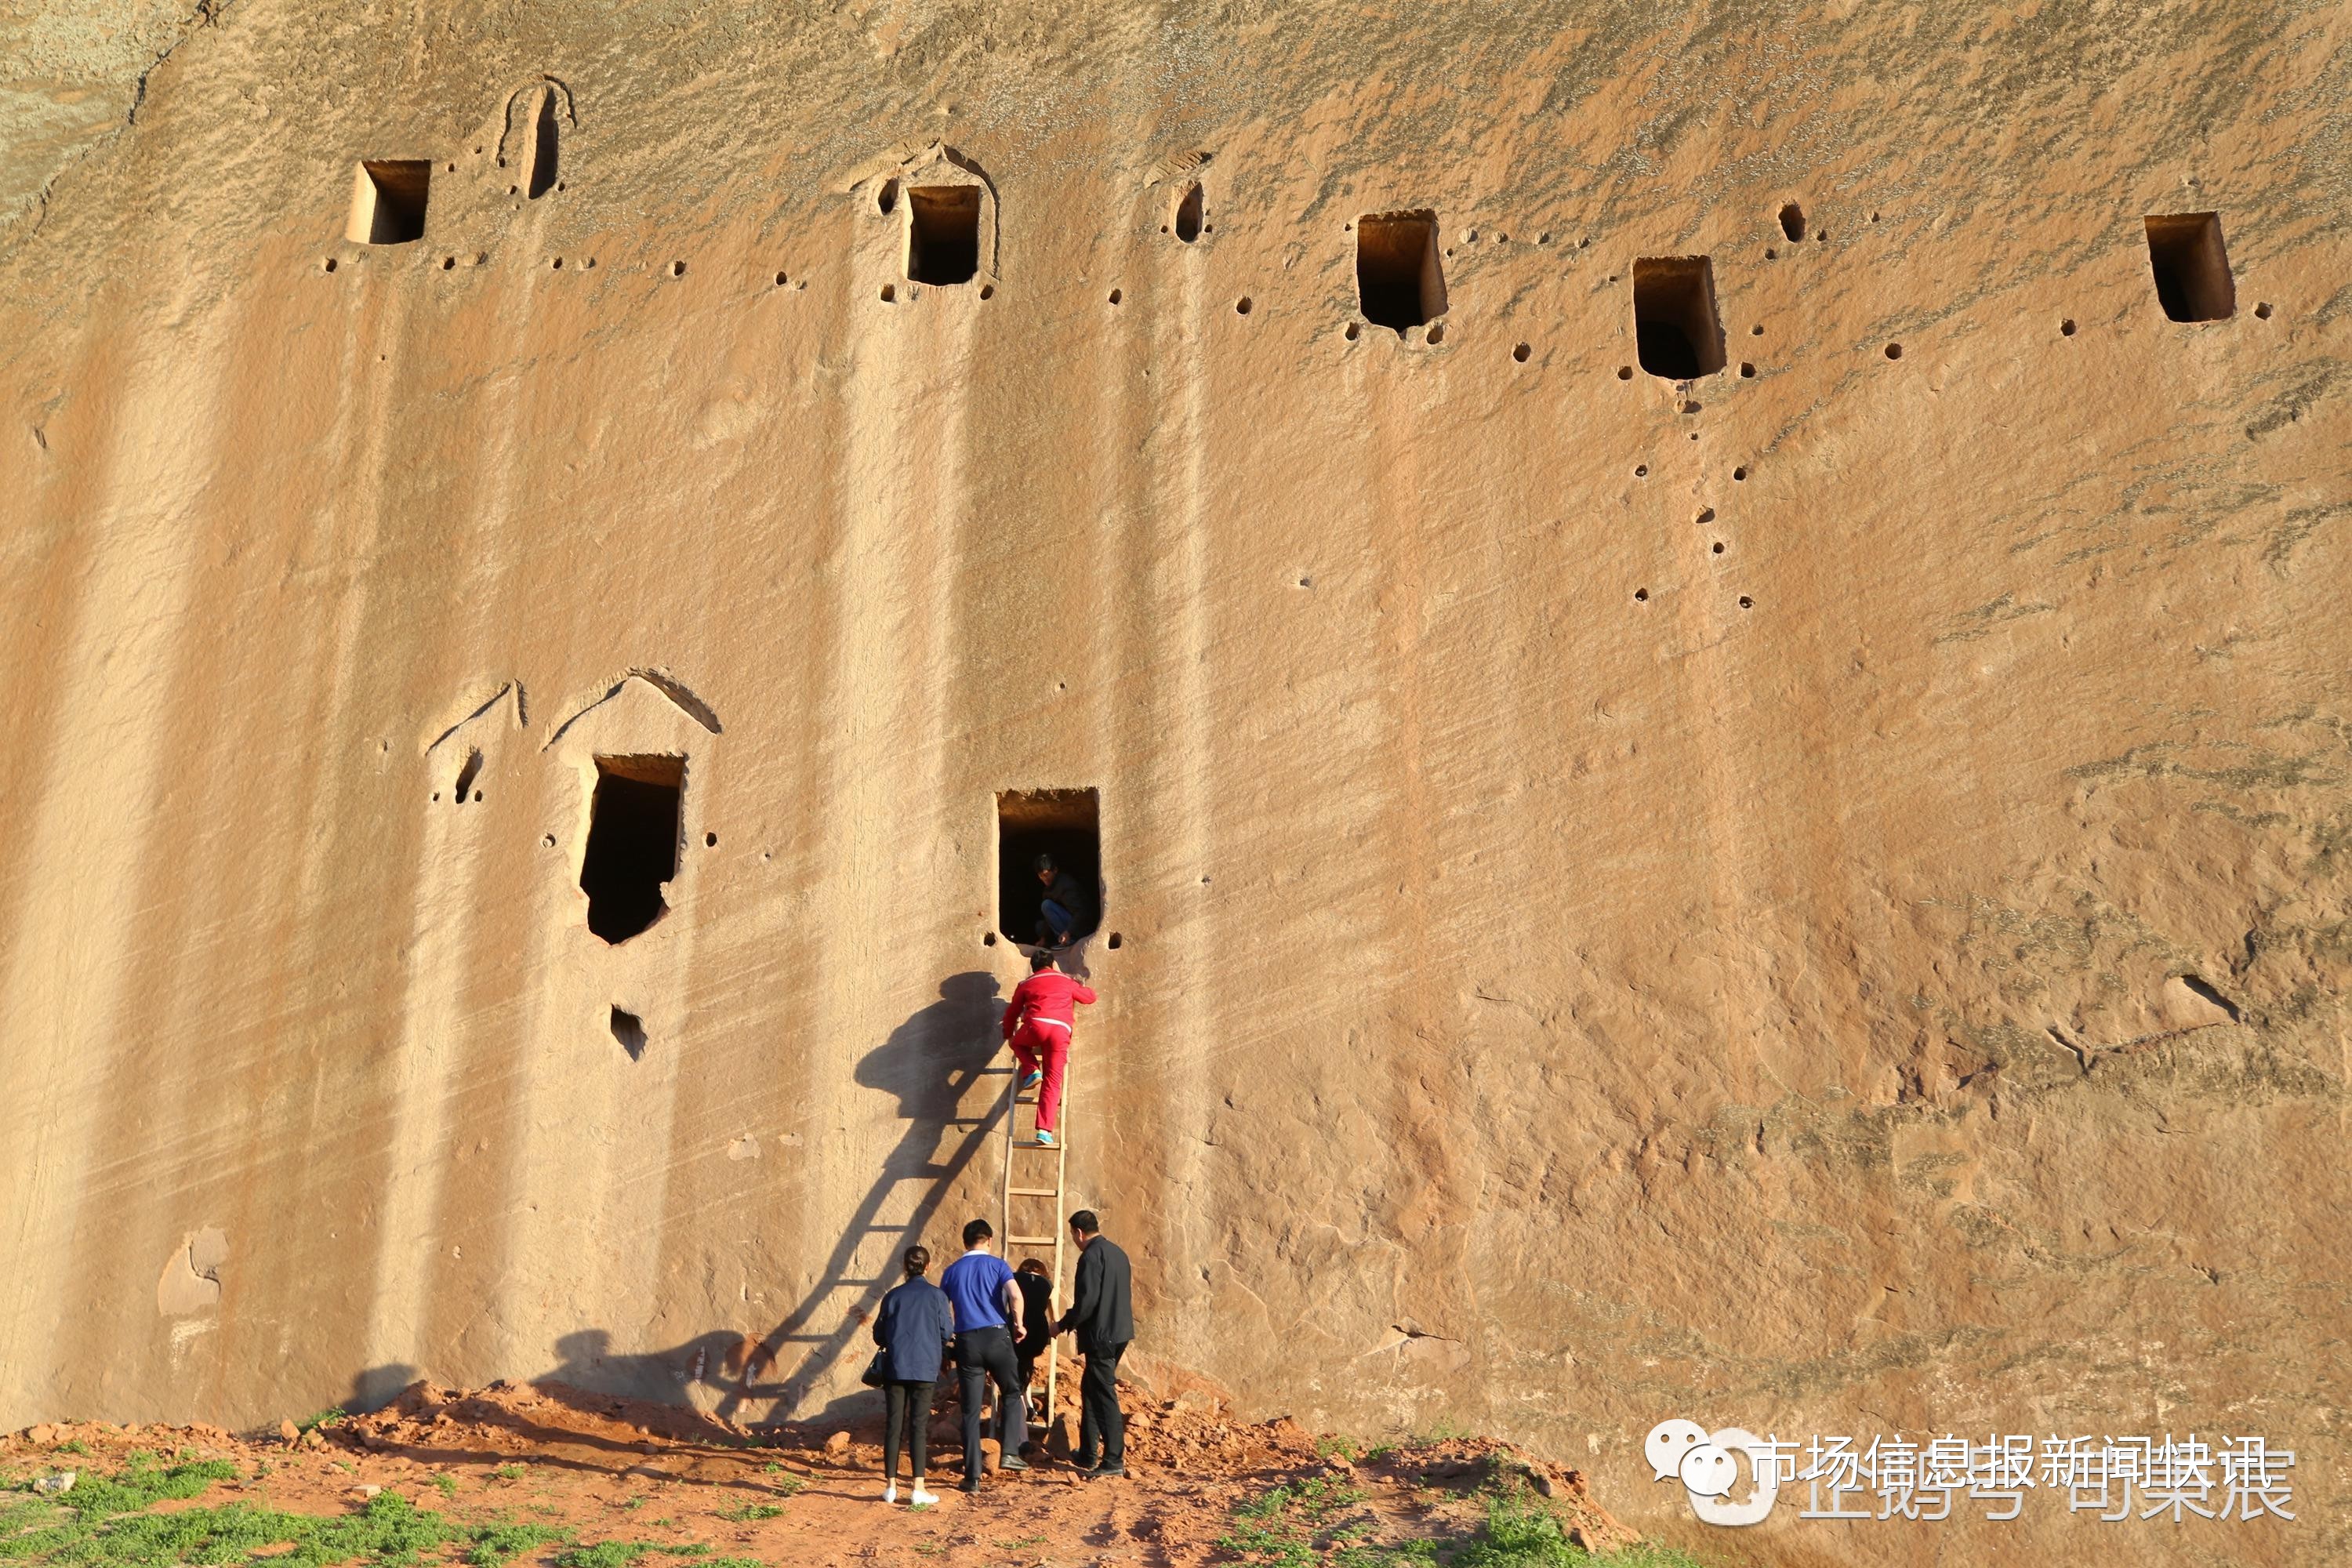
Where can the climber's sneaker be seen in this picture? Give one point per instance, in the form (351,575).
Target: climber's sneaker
(1045,1141)
(890,1492)
(1030,1081)
(922,1498)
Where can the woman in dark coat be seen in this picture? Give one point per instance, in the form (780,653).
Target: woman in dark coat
(914,1329)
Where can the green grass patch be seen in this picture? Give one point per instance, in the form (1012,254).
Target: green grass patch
(327,1417)
(622,1554)
(1520,1533)
(104,1522)
(1296,1524)
(388,1531)
(497,1543)
(446,1485)
(745,1513)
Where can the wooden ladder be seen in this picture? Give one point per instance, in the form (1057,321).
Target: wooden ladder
(1029,1193)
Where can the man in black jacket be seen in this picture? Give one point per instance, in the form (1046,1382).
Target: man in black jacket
(1103,1317)
(1063,914)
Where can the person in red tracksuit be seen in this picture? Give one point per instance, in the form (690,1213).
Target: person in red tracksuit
(1037,1024)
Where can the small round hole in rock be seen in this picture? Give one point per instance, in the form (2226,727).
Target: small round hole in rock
(547,841)
(988,290)
(1746,371)
(1757,331)
(1641,595)
(1706,515)
(1355,330)
(890,293)
(1114,939)
(1739,473)
(477,797)
(1520,352)
(987,940)
(1895,351)
(1624,373)
(1746,602)
(1792,221)
(1242,306)
(1436,333)
(710,840)
(2261,312)
(780,279)
(2066,328)
(328,265)
(449,262)
(1640,470)
(886,197)
(1770,254)
(556,263)
(677,268)
(1718,547)
(1114,296)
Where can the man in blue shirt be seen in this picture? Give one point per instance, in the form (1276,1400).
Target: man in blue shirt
(988,1324)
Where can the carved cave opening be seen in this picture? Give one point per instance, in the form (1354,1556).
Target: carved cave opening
(633,843)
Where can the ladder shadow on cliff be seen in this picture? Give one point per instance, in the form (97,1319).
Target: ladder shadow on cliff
(931,1062)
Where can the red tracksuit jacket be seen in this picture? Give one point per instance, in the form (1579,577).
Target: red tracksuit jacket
(1048,993)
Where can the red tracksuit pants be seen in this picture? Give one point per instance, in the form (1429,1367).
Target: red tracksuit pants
(1043,1040)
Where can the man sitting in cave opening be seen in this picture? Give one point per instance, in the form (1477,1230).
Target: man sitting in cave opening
(1063,913)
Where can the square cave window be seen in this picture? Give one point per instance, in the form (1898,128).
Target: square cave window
(633,838)
(1675,330)
(1399,283)
(388,201)
(2192,269)
(1060,825)
(942,234)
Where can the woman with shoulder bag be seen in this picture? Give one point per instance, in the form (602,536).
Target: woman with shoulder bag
(914,1329)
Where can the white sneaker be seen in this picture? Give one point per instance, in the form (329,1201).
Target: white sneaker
(890,1492)
(922,1498)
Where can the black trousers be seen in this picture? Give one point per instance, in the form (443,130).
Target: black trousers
(909,1405)
(985,1356)
(1100,1420)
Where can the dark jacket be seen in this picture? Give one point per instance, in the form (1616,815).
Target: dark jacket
(1103,1312)
(1036,1314)
(915,1325)
(1063,890)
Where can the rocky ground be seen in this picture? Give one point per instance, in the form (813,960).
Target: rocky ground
(549,1474)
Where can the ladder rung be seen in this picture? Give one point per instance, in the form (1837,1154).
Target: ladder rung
(1028,1241)
(1032,1143)
(1034,1192)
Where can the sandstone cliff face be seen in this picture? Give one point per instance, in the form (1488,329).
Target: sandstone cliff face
(1811,897)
